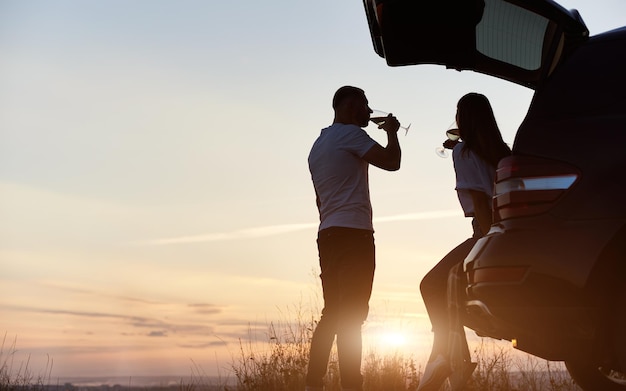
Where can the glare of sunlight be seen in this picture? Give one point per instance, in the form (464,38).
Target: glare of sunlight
(392,339)
(388,341)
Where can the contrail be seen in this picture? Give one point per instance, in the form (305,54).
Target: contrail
(271,230)
(248,233)
(437,214)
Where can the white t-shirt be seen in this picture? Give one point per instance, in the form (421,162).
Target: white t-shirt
(340,176)
(472,173)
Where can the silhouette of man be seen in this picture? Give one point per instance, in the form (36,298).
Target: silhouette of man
(339,162)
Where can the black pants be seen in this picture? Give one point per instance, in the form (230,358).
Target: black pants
(347,261)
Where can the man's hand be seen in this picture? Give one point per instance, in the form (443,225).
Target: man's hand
(387,158)
(391,124)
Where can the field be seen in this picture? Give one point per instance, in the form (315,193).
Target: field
(279,364)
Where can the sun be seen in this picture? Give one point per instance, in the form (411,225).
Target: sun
(392,339)
(388,341)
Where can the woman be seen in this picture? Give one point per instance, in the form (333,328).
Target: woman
(475,161)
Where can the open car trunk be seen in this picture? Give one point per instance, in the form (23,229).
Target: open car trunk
(518,40)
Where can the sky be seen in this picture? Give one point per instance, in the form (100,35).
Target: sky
(156,208)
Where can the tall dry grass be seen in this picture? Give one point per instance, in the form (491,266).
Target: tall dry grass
(18,376)
(499,369)
(277,361)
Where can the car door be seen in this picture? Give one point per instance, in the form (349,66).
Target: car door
(518,40)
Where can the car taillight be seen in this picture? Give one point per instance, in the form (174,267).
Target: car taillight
(528,186)
(499,274)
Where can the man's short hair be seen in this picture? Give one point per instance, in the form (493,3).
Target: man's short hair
(345,93)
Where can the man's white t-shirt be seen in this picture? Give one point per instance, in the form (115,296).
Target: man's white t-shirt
(472,173)
(340,176)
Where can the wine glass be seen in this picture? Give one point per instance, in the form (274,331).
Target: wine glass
(453,134)
(378,117)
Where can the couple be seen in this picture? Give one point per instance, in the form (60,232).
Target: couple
(338,162)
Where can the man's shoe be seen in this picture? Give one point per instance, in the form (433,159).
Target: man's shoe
(435,374)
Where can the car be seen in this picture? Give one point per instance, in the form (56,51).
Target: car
(550,275)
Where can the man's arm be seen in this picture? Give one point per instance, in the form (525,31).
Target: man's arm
(387,158)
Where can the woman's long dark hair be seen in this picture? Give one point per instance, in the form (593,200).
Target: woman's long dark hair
(479,130)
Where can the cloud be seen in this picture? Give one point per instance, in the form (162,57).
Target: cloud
(203,308)
(271,230)
(137,322)
(436,214)
(248,233)
(65,286)
(86,314)
(203,345)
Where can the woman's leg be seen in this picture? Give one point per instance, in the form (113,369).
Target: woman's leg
(434,288)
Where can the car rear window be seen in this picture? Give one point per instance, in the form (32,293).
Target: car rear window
(511,34)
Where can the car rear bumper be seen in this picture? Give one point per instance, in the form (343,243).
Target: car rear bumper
(530,286)
(553,333)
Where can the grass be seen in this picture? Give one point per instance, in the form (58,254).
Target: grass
(278,361)
(14,377)
(499,370)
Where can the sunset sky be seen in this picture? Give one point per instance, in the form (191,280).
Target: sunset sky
(155,202)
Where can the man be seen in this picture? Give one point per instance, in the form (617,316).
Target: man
(339,161)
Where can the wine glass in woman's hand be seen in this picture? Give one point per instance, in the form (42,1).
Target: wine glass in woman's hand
(453,135)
